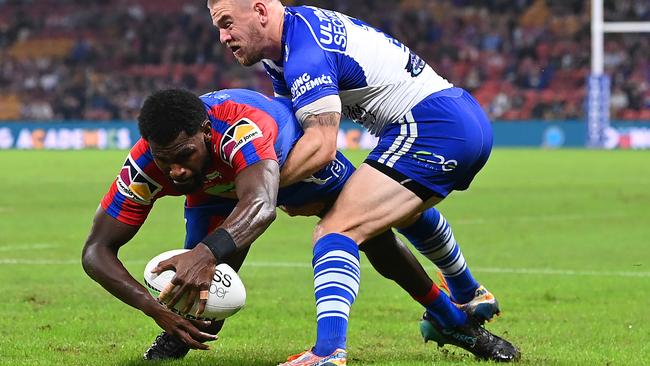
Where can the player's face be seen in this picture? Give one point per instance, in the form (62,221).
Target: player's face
(240,29)
(184,161)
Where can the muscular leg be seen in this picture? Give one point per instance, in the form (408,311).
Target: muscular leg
(432,236)
(360,214)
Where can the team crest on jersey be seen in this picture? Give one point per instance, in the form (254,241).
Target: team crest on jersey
(236,137)
(135,184)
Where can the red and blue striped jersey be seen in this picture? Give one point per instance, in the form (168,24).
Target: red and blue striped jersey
(247,127)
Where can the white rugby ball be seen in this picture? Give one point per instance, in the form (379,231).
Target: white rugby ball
(227,292)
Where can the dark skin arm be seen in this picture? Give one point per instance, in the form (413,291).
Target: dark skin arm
(257,191)
(314,150)
(100,261)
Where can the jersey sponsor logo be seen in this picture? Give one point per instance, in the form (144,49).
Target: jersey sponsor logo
(236,137)
(133,183)
(415,65)
(332,32)
(306,83)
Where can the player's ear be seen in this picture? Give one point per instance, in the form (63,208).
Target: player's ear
(206,128)
(261,10)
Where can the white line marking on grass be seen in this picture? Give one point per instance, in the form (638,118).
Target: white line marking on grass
(13,247)
(536,218)
(257,264)
(561,272)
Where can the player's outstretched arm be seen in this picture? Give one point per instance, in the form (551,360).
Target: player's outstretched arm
(257,191)
(314,150)
(100,261)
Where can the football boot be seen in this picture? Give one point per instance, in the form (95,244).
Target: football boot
(471,336)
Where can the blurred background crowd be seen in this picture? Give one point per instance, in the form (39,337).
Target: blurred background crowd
(522,59)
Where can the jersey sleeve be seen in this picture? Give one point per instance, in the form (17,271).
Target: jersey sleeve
(310,69)
(248,136)
(275,72)
(132,194)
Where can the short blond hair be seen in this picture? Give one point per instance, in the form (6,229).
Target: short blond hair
(211,3)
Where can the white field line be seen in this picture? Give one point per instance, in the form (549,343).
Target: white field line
(539,218)
(258,264)
(16,247)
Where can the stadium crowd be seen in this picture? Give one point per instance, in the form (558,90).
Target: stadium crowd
(98,59)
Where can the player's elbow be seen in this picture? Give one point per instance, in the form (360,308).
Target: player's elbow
(325,149)
(88,255)
(265,213)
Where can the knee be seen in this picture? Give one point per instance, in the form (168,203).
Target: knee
(325,227)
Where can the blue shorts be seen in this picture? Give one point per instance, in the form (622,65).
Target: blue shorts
(438,147)
(324,185)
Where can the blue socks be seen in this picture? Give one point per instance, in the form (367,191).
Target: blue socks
(336,284)
(431,235)
(439,306)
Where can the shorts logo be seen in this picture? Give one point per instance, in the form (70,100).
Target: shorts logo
(236,137)
(134,184)
(436,160)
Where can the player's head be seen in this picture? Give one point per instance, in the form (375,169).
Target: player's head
(251,29)
(178,130)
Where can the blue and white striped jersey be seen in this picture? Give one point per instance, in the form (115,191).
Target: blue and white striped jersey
(328,54)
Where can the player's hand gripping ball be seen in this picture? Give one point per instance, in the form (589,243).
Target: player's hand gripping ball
(227,294)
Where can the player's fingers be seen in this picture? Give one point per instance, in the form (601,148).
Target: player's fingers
(203,336)
(201,324)
(163,266)
(203,300)
(190,299)
(177,295)
(188,339)
(166,292)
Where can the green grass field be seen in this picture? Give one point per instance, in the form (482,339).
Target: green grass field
(561,237)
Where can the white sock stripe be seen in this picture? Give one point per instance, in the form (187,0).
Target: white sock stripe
(441,222)
(340,271)
(440,247)
(457,259)
(443,253)
(331,315)
(440,230)
(427,244)
(337,285)
(331,278)
(339,253)
(329,306)
(455,273)
(347,266)
(333,297)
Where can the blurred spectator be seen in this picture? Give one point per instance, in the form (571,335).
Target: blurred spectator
(97,60)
